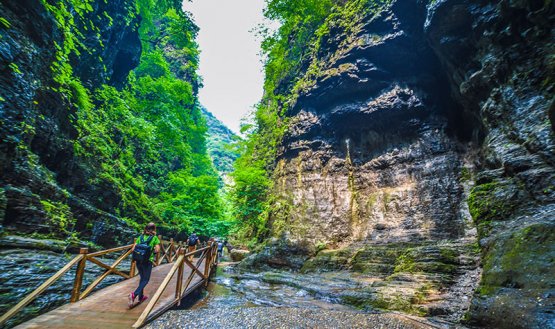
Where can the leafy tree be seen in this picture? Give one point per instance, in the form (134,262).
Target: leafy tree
(145,145)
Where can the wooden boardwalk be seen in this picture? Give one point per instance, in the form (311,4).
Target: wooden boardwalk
(108,307)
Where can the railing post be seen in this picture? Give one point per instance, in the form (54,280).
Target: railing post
(179,284)
(132,269)
(157,260)
(171,250)
(207,263)
(78,281)
(132,265)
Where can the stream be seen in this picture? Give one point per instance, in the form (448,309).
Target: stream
(281,299)
(232,289)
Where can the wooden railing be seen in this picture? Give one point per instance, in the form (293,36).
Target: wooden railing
(208,253)
(169,251)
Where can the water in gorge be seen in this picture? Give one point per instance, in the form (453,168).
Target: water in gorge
(234,290)
(230,288)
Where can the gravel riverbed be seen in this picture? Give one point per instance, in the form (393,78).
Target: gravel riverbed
(281,317)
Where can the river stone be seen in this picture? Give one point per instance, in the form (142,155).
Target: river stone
(238,255)
(283,317)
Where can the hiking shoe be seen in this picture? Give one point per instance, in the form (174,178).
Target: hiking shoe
(142,299)
(131,300)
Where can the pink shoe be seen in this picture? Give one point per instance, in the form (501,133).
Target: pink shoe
(142,299)
(131,300)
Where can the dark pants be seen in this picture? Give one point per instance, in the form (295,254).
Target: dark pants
(144,269)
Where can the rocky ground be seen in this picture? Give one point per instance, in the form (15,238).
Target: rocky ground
(275,317)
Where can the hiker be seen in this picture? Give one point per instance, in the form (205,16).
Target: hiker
(192,242)
(143,256)
(220,248)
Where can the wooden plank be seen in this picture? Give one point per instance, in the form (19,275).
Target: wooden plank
(194,268)
(132,268)
(196,251)
(107,251)
(208,261)
(179,278)
(107,267)
(40,289)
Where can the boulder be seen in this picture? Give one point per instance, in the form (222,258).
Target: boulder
(238,255)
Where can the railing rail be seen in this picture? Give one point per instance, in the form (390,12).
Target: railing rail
(170,251)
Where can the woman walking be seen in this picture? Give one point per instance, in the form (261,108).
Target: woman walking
(143,256)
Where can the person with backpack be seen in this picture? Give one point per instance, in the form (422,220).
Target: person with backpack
(220,248)
(192,242)
(146,245)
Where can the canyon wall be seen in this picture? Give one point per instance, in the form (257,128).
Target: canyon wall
(420,152)
(101,128)
(42,180)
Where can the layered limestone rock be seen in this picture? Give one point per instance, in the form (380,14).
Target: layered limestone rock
(500,64)
(44,187)
(410,110)
(373,171)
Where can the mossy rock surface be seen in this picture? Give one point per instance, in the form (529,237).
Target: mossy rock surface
(493,201)
(329,260)
(522,259)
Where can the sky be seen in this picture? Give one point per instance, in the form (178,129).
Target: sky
(229,62)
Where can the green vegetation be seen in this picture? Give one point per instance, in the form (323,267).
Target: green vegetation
(466,175)
(490,202)
(60,215)
(5,23)
(405,263)
(144,145)
(219,143)
(293,61)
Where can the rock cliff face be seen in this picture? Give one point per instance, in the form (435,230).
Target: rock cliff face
(38,166)
(425,122)
(499,59)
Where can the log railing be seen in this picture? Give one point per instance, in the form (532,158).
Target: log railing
(208,254)
(169,251)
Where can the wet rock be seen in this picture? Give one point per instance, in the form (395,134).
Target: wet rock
(385,168)
(284,253)
(369,169)
(11,241)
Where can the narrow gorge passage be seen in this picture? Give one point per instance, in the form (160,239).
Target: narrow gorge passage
(394,165)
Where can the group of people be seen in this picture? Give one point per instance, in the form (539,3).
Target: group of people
(144,250)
